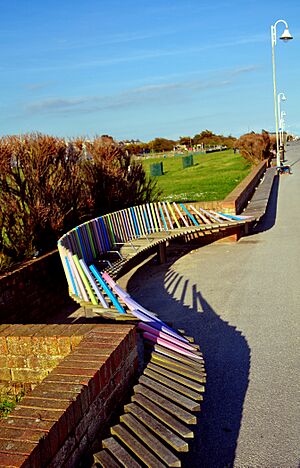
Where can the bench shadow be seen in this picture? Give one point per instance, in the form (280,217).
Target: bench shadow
(226,352)
(269,218)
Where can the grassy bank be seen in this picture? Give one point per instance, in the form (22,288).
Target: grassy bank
(212,177)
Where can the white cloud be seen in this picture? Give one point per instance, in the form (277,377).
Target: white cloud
(154,93)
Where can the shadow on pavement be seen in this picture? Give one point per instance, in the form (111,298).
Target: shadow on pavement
(269,218)
(226,353)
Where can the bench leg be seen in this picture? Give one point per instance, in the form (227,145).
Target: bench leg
(162,253)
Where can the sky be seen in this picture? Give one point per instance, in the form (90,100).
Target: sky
(141,69)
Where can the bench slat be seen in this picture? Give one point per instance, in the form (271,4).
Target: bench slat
(195,363)
(162,431)
(163,416)
(136,447)
(168,405)
(173,385)
(150,440)
(176,377)
(174,366)
(105,460)
(171,394)
(120,453)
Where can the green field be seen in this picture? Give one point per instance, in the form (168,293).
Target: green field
(212,177)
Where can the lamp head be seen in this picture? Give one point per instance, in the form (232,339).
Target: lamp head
(286,35)
(283,98)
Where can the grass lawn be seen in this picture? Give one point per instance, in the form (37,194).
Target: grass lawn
(212,177)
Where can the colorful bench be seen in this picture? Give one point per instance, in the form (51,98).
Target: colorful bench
(110,243)
(155,426)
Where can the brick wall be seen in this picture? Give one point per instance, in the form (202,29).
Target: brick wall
(29,352)
(33,291)
(239,197)
(59,419)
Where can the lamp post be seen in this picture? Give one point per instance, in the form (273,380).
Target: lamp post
(282,123)
(286,36)
(280,97)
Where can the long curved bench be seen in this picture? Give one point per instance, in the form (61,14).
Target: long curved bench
(113,241)
(155,424)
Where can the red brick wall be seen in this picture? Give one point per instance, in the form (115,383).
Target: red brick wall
(32,292)
(29,352)
(59,419)
(239,197)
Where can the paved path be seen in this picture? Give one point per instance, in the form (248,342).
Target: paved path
(242,302)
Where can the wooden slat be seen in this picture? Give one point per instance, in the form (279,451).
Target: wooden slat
(162,431)
(176,361)
(175,366)
(116,316)
(105,460)
(196,363)
(189,338)
(173,385)
(176,377)
(120,453)
(136,447)
(150,440)
(163,416)
(168,405)
(171,394)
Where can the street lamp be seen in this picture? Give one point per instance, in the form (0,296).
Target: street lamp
(281,126)
(280,97)
(286,36)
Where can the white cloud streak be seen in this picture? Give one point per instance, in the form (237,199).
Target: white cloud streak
(151,94)
(147,55)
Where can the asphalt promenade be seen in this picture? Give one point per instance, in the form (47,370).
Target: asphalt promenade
(241,302)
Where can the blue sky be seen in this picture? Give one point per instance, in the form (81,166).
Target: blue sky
(145,68)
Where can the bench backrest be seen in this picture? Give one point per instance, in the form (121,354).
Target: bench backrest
(87,243)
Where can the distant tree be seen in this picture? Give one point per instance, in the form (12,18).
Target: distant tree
(229,141)
(106,139)
(186,140)
(137,148)
(206,137)
(132,148)
(161,144)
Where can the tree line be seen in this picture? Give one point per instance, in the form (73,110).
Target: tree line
(205,138)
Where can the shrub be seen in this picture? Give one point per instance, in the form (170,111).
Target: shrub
(255,147)
(113,179)
(40,193)
(48,186)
